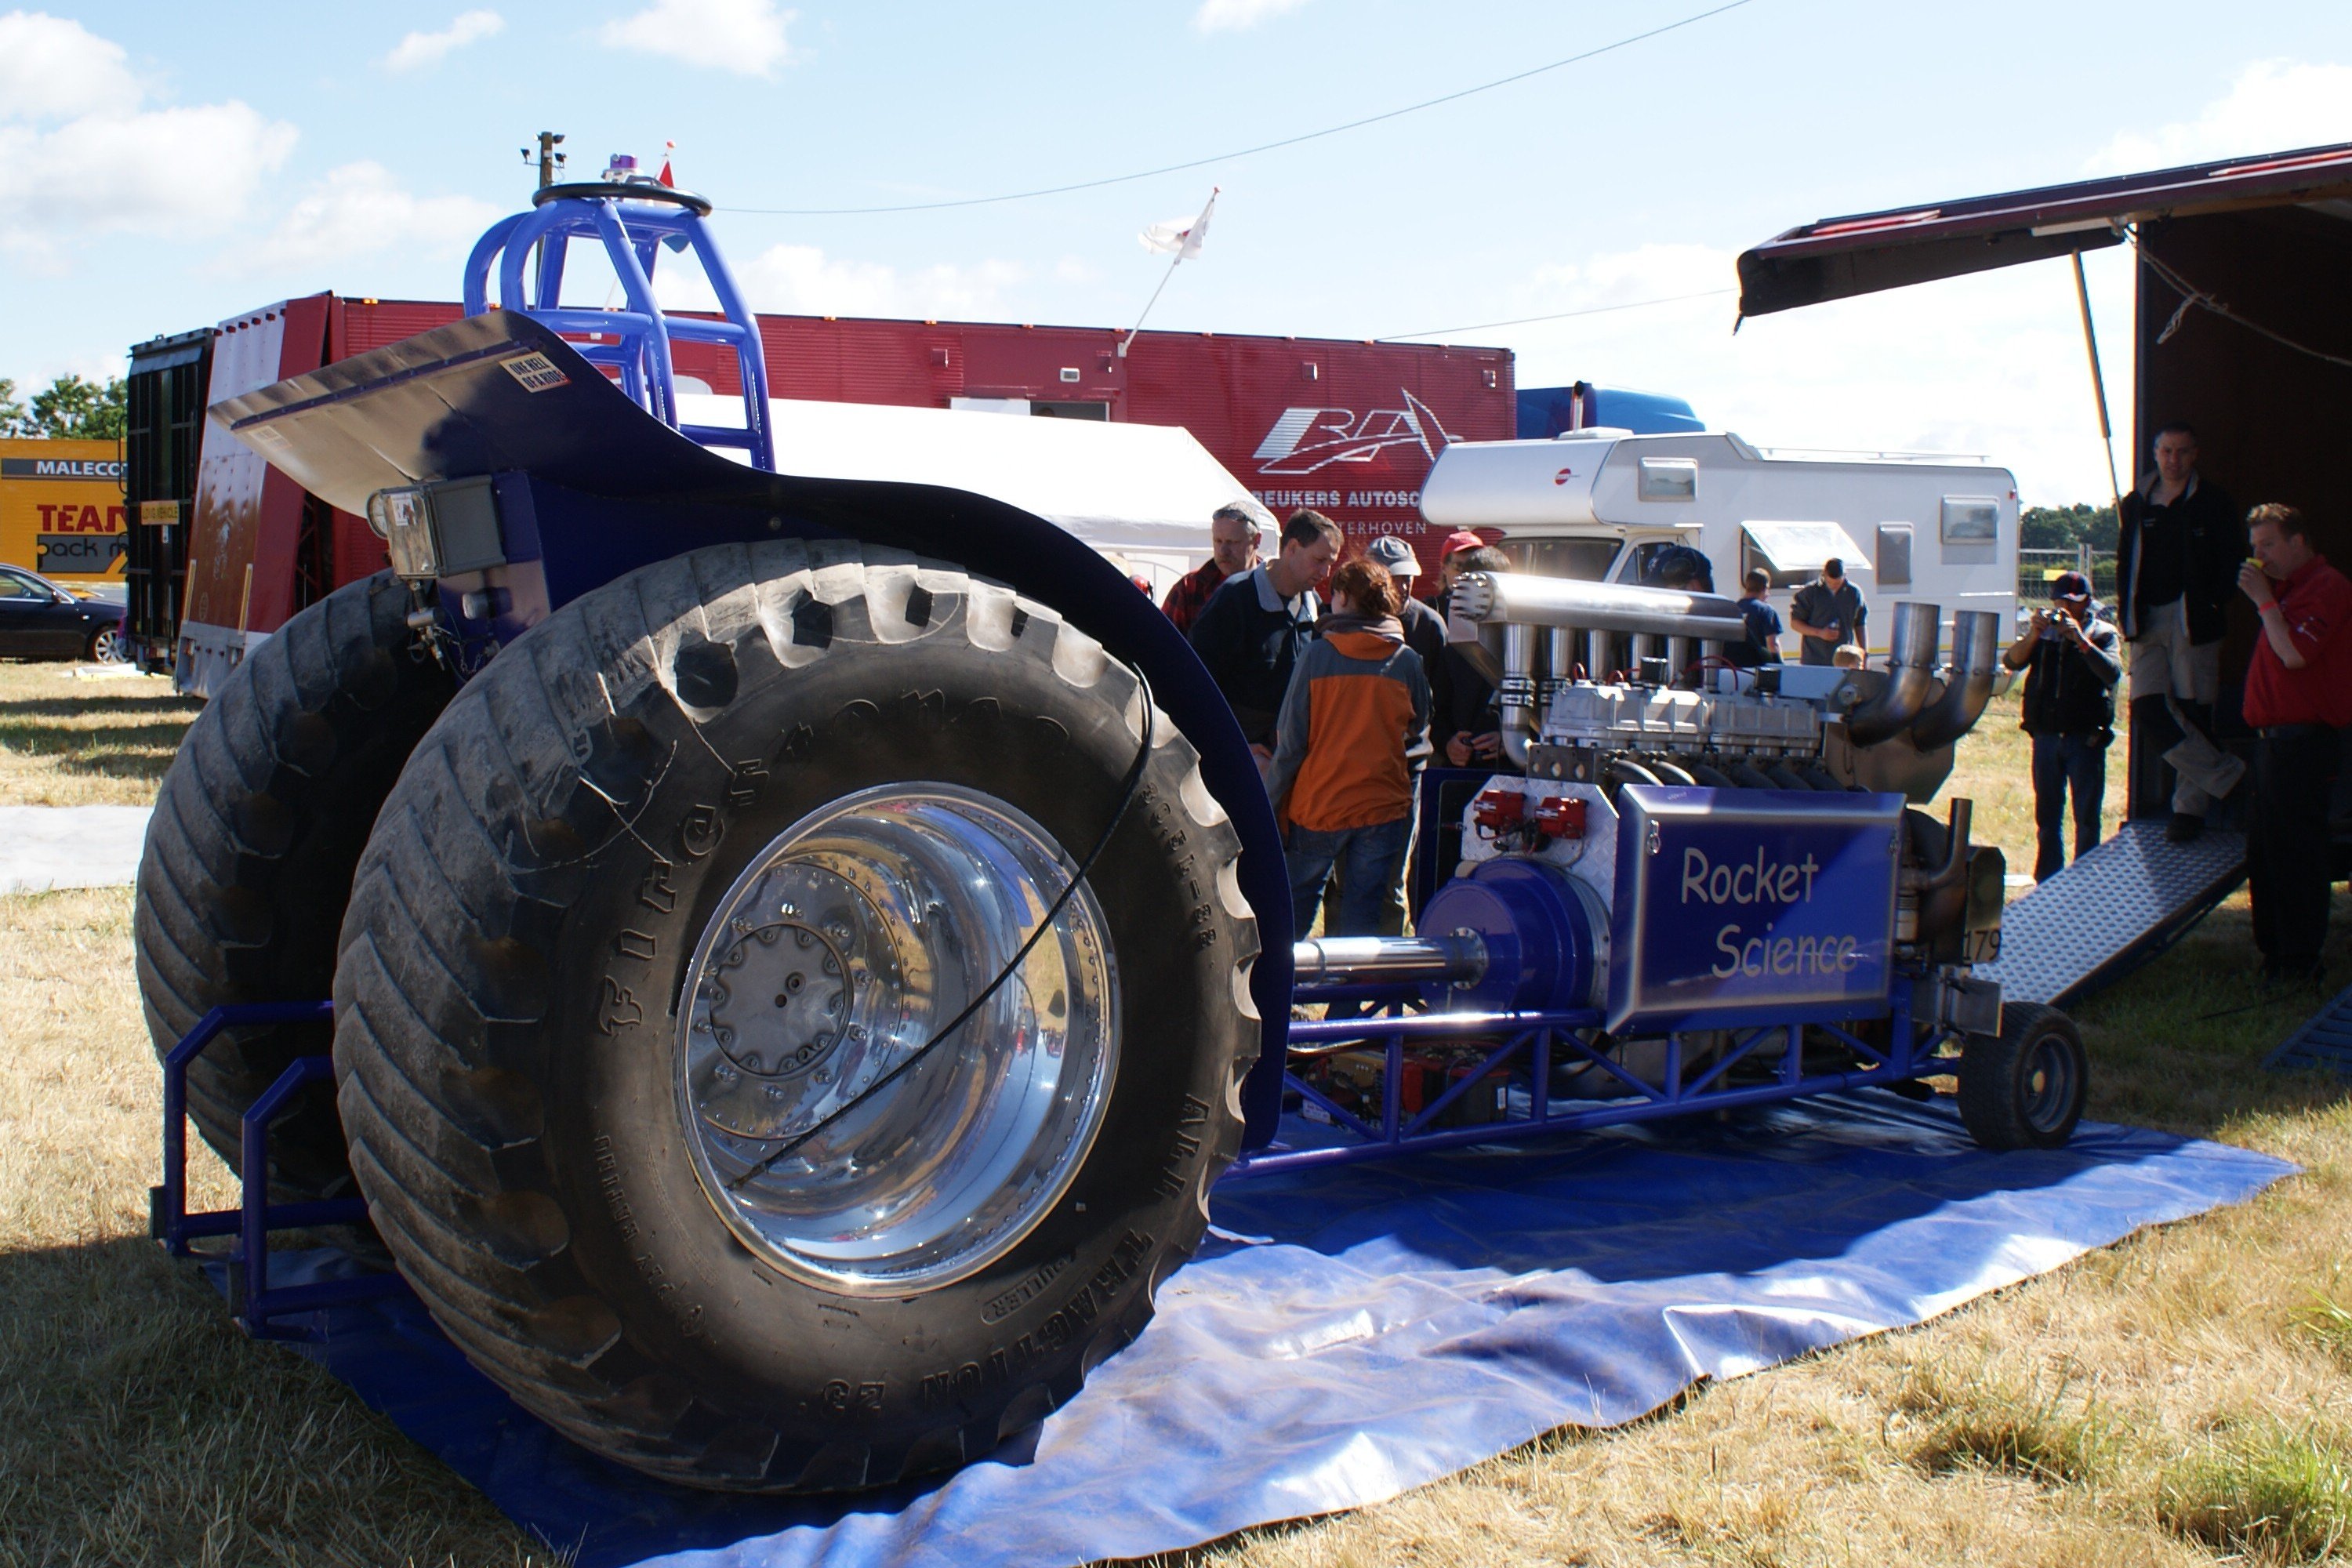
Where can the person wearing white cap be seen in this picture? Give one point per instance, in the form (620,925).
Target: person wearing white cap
(1425,633)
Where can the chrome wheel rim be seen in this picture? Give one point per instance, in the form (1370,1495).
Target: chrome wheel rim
(107,647)
(849,941)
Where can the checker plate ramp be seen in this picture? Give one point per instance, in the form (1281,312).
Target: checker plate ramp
(2124,901)
(2324,1043)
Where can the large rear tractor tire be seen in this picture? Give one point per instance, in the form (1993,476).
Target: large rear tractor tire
(2024,1088)
(251,851)
(637,976)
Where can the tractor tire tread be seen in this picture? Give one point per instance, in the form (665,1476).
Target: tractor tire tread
(519,733)
(296,734)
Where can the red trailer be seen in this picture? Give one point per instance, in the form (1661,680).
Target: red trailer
(233,548)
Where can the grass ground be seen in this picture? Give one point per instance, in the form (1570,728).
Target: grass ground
(2184,1397)
(66,740)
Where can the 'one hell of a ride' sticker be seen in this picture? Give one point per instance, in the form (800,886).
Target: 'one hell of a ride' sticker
(536,372)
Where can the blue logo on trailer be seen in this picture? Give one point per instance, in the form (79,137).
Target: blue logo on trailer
(1751,907)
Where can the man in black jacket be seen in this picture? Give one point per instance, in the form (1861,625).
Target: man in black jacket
(2072,662)
(1464,726)
(1250,635)
(2176,558)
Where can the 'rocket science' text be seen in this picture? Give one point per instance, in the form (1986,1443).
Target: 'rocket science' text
(1766,883)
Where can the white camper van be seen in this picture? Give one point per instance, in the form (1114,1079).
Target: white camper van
(1601,504)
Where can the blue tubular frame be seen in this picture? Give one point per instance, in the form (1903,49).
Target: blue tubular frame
(1530,1042)
(254,1304)
(632,233)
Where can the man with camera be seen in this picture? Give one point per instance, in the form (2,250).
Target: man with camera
(2072,663)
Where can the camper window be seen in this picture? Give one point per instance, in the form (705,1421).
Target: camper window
(1667,478)
(1583,559)
(1894,558)
(1971,520)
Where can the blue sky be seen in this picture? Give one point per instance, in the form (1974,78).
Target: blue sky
(166,166)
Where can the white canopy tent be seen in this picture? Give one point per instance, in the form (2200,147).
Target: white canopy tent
(1142,494)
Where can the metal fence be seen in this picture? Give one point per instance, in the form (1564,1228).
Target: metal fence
(2035,568)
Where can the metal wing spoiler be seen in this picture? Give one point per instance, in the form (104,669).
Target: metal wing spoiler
(498,393)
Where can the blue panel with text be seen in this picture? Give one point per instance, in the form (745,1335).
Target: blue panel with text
(1749,907)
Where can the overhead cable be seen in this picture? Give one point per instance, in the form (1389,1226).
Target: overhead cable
(2192,295)
(1557,316)
(1262,147)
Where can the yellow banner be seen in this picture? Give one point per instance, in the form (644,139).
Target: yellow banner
(61,508)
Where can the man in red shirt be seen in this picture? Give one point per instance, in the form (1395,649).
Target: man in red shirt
(2298,694)
(1233,550)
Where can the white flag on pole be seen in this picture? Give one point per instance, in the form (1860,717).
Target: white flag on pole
(1181,237)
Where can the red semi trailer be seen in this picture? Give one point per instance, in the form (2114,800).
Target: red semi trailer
(228,548)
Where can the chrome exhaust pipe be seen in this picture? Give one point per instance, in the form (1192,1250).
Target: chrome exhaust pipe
(1968,687)
(1910,677)
(1515,694)
(1522,598)
(1381,960)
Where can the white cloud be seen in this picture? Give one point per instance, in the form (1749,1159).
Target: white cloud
(2273,106)
(801,279)
(746,37)
(1232,16)
(51,68)
(357,210)
(79,156)
(1989,365)
(1624,277)
(430,49)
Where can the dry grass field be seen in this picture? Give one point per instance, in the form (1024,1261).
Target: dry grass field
(69,740)
(2185,1397)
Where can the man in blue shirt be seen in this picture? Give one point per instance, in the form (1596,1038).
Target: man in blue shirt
(1826,615)
(1763,643)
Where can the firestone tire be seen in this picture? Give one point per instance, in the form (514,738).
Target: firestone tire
(518,995)
(251,851)
(2024,1088)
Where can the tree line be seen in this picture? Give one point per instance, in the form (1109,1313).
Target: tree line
(2067,526)
(71,409)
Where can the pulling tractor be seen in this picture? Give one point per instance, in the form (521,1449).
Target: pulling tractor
(802,952)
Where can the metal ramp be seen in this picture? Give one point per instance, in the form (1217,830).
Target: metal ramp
(2112,911)
(2324,1044)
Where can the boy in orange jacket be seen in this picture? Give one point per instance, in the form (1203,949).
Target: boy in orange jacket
(1354,722)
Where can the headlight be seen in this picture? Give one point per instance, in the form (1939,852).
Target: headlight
(439,531)
(403,521)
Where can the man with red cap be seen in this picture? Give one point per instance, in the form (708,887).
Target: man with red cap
(1459,539)
(2072,661)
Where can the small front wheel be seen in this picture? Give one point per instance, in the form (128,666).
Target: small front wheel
(2024,1088)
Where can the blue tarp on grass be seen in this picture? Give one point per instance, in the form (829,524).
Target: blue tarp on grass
(1346,1334)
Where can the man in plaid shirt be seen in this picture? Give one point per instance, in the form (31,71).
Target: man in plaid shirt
(1233,550)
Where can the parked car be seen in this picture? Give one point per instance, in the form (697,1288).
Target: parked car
(39,619)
